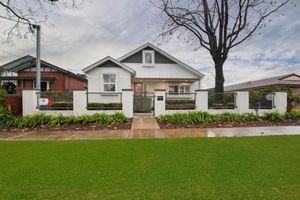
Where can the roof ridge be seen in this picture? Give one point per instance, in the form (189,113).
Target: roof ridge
(105,59)
(18,59)
(45,62)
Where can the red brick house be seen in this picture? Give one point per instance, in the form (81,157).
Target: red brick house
(21,74)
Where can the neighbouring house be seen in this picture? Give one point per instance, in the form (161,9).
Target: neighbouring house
(291,81)
(144,70)
(21,74)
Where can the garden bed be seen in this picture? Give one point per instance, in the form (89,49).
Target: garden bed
(206,120)
(69,127)
(42,122)
(259,123)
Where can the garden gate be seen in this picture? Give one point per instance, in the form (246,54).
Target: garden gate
(143,102)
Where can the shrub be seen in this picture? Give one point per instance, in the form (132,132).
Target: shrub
(232,117)
(3,92)
(58,106)
(32,121)
(41,119)
(293,115)
(119,118)
(180,104)
(48,94)
(5,117)
(62,105)
(274,116)
(187,118)
(204,117)
(104,106)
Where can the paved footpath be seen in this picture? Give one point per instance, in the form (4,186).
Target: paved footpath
(148,128)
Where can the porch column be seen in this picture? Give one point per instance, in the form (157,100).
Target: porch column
(280,102)
(201,100)
(29,102)
(127,102)
(242,102)
(159,102)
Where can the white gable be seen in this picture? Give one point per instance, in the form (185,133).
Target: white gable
(166,71)
(165,66)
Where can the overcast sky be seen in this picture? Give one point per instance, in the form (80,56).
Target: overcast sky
(74,39)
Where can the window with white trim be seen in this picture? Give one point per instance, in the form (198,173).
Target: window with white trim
(179,89)
(148,57)
(184,89)
(109,82)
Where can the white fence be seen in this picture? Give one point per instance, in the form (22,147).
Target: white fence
(80,104)
(241,104)
(201,101)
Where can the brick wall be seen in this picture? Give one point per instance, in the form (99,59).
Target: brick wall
(13,104)
(62,80)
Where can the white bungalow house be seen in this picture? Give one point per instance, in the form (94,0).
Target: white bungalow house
(144,69)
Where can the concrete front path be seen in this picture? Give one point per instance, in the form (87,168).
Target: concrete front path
(144,123)
(145,127)
(152,133)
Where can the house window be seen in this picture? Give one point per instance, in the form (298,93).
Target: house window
(173,89)
(45,85)
(148,57)
(184,89)
(109,82)
(179,89)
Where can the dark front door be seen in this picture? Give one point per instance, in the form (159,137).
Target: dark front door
(43,86)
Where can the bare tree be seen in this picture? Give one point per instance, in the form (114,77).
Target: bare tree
(217,25)
(23,14)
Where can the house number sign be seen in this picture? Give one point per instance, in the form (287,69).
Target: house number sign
(160,98)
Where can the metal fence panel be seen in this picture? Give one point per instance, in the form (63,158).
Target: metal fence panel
(226,100)
(261,100)
(176,101)
(104,100)
(55,100)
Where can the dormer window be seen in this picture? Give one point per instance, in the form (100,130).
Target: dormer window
(148,58)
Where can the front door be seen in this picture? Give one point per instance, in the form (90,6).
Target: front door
(138,89)
(43,86)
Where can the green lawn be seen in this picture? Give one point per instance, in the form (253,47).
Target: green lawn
(203,168)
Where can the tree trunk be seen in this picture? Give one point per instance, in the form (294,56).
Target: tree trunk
(219,82)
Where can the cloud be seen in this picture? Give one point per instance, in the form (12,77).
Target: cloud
(74,39)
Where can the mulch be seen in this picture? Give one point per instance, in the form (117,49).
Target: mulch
(69,127)
(259,123)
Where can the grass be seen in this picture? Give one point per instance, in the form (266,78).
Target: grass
(202,168)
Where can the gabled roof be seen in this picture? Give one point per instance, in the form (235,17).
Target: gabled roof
(106,59)
(191,69)
(17,62)
(277,80)
(27,61)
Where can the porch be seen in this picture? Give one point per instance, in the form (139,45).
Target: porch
(177,87)
(15,84)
